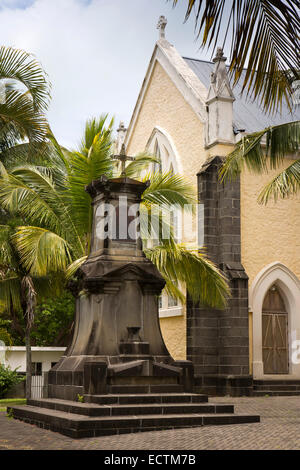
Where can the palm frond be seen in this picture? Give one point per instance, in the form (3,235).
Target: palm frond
(35,153)
(41,251)
(204,282)
(95,128)
(18,65)
(264,35)
(141,163)
(18,111)
(7,258)
(283,185)
(18,197)
(167,189)
(88,165)
(31,192)
(156,224)
(10,292)
(60,152)
(280,141)
(172,289)
(72,268)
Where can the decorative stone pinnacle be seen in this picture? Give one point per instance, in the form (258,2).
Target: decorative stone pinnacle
(121,127)
(161,26)
(219,55)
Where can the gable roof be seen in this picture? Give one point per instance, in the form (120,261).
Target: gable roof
(192,78)
(182,76)
(248,115)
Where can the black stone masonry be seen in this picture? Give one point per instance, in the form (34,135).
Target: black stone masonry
(218,340)
(117,375)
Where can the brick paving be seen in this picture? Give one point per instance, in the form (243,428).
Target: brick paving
(279,429)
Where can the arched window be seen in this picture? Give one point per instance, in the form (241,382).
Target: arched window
(161,145)
(157,166)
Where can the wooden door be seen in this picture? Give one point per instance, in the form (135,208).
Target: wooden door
(275,333)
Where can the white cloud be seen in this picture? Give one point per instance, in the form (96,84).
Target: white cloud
(96,52)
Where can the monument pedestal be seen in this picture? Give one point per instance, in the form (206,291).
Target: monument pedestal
(117,324)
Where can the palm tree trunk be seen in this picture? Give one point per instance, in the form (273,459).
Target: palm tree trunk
(28,305)
(28,363)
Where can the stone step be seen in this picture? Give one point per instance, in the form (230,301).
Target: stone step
(76,426)
(90,409)
(146,398)
(277,387)
(274,393)
(141,389)
(276,382)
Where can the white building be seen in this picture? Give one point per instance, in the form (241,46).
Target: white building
(43,358)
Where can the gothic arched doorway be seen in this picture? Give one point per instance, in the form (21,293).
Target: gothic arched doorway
(275,333)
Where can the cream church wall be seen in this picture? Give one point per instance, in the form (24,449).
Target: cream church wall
(268,233)
(164,106)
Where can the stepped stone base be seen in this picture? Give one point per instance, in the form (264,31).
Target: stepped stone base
(102,415)
(273,388)
(221,385)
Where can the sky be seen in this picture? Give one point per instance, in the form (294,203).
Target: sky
(95,52)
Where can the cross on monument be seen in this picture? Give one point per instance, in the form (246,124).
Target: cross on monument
(161,26)
(123,159)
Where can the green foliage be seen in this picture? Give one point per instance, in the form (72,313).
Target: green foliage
(80,398)
(52,326)
(53,318)
(21,67)
(8,378)
(26,98)
(179,264)
(12,401)
(5,337)
(8,402)
(10,413)
(249,152)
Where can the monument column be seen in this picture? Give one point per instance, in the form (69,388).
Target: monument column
(117,345)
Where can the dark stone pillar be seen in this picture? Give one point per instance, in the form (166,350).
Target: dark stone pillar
(218,341)
(117,345)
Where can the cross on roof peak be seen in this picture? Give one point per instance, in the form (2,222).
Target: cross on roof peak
(161,26)
(123,158)
(219,55)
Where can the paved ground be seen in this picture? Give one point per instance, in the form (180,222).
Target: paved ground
(279,429)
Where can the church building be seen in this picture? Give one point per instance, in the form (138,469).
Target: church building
(188,115)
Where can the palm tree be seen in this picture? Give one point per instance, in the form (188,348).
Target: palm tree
(19,289)
(264,36)
(24,98)
(52,201)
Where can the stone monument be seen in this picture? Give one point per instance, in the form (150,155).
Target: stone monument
(117,375)
(117,344)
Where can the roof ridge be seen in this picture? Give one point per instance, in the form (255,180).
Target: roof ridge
(206,61)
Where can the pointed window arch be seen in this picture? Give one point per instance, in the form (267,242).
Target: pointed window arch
(285,302)
(162,145)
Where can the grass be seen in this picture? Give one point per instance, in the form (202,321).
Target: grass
(11,401)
